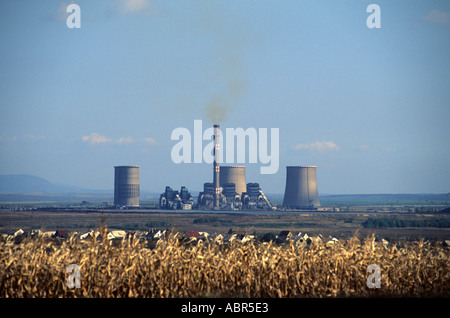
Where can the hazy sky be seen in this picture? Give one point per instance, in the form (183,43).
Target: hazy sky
(369,107)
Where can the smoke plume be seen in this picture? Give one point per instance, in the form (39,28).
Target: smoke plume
(230,45)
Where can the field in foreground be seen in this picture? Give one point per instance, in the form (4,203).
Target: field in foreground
(171,267)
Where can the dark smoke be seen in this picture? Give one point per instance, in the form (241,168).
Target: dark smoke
(230,58)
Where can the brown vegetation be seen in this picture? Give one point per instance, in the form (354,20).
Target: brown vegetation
(36,267)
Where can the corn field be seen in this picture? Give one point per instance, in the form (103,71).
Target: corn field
(173,268)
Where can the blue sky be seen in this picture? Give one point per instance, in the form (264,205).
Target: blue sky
(369,107)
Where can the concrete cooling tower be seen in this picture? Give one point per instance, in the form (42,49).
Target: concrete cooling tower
(126,186)
(233,174)
(301,188)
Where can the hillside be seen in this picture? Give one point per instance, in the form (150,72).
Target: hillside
(385,199)
(28,188)
(23,183)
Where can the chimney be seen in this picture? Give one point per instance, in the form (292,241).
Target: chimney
(216,166)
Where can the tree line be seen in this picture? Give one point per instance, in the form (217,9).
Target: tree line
(395,222)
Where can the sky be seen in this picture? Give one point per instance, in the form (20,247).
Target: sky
(369,107)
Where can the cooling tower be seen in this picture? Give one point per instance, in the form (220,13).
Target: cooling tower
(126,186)
(301,188)
(233,174)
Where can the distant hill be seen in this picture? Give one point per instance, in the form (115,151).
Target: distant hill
(382,199)
(28,188)
(23,183)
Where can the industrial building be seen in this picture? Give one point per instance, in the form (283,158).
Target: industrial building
(229,190)
(174,200)
(234,193)
(126,186)
(254,198)
(229,199)
(206,198)
(301,188)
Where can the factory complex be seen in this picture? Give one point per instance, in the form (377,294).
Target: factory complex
(227,191)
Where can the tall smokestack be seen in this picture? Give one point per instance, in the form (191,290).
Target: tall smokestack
(216,166)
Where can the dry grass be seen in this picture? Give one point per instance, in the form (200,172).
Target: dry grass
(172,268)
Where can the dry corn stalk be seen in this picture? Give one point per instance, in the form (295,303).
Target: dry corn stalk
(37,268)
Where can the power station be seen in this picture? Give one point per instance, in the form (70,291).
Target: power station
(126,186)
(301,188)
(227,191)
